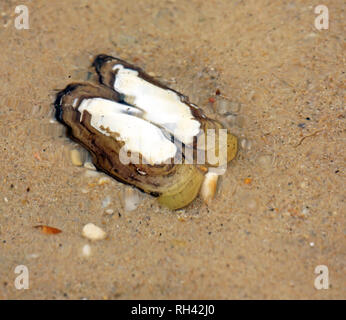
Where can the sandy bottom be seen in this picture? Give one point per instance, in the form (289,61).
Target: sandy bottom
(279,211)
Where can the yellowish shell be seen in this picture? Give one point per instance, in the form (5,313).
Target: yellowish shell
(184,191)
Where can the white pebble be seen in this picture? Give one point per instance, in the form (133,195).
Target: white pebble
(109,211)
(305,211)
(312,244)
(106,202)
(131,199)
(32,256)
(245,144)
(208,188)
(86,250)
(5,199)
(89,165)
(311,35)
(93,232)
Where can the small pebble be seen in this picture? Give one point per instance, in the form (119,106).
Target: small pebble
(103,180)
(303,185)
(5,199)
(86,250)
(106,202)
(312,244)
(131,199)
(32,256)
(311,35)
(93,232)
(89,165)
(76,158)
(109,211)
(245,144)
(208,188)
(248,180)
(305,211)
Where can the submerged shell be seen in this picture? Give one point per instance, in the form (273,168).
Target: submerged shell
(132,116)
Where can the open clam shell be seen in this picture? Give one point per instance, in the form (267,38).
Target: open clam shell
(140,132)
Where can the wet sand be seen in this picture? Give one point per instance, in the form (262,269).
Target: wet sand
(280,208)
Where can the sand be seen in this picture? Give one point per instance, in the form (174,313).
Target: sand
(279,211)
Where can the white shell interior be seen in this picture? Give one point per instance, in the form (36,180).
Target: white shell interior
(138,135)
(160,106)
